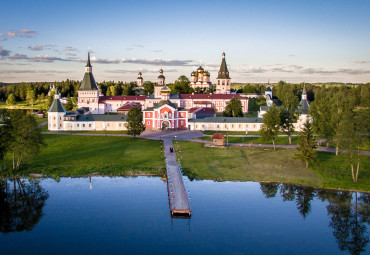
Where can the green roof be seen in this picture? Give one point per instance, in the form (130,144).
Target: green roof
(304,91)
(101,117)
(229,120)
(223,73)
(304,106)
(88,60)
(57,106)
(88,83)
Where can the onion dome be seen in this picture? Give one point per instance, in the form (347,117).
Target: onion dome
(200,69)
(161,74)
(193,73)
(139,77)
(206,73)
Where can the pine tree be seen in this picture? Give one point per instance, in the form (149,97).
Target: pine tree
(135,125)
(11,100)
(307,145)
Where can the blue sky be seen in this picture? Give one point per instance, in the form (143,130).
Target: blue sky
(296,41)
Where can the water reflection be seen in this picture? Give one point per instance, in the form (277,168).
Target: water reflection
(21,204)
(348,212)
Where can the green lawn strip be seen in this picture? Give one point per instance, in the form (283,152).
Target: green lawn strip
(256,164)
(280,140)
(83,155)
(336,171)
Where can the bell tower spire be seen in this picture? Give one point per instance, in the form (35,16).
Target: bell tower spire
(88,65)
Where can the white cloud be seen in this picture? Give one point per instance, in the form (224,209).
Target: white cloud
(11,34)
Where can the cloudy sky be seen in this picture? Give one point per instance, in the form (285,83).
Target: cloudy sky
(294,41)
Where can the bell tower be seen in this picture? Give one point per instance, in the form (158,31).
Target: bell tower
(223,78)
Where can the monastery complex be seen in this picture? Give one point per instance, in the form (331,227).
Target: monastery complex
(161,110)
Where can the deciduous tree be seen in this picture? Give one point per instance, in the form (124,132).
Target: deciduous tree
(271,125)
(135,125)
(234,108)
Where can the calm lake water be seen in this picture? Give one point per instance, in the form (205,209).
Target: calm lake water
(131,216)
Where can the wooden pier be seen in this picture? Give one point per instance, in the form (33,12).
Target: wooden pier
(177,195)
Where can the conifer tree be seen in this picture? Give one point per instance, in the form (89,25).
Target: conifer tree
(11,100)
(307,145)
(135,125)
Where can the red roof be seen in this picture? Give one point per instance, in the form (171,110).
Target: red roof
(128,106)
(209,96)
(191,110)
(205,110)
(217,136)
(122,98)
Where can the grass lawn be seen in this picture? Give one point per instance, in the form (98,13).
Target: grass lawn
(23,105)
(258,140)
(256,164)
(83,155)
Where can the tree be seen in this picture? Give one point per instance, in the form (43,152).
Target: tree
(135,125)
(181,86)
(148,87)
(321,112)
(234,108)
(11,100)
(31,96)
(69,105)
(307,145)
(289,112)
(271,125)
(352,134)
(5,136)
(50,100)
(26,139)
(287,120)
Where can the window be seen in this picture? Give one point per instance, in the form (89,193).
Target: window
(254,126)
(148,122)
(89,125)
(54,118)
(78,125)
(55,125)
(119,124)
(83,125)
(182,122)
(232,126)
(218,126)
(218,82)
(240,126)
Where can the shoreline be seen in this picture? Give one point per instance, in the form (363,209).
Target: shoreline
(42,176)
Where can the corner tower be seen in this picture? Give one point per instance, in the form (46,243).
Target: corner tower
(56,114)
(88,93)
(223,78)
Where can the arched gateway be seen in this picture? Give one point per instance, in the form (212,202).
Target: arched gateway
(165,125)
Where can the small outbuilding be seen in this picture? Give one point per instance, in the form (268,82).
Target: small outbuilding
(218,139)
(40,114)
